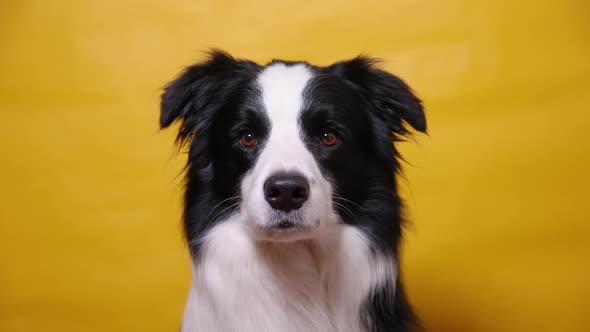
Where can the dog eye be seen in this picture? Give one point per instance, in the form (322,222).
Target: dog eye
(328,139)
(248,140)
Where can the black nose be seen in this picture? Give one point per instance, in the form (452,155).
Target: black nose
(286,191)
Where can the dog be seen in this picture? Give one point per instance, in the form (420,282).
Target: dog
(291,211)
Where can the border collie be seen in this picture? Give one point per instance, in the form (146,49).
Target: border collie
(292,215)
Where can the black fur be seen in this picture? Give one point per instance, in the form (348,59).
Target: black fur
(208,99)
(368,108)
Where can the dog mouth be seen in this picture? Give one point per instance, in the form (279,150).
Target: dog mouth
(285,230)
(284,225)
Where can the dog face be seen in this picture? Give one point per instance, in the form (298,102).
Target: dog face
(289,149)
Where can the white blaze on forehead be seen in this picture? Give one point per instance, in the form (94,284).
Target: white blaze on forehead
(282,88)
(282,93)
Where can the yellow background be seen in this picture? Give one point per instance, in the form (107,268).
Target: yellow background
(498,193)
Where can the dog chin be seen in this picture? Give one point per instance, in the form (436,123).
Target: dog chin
(285,231)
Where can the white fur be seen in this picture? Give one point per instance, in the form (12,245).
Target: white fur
(240,284)
(316,281)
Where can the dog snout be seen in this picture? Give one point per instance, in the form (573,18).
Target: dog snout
(286,191)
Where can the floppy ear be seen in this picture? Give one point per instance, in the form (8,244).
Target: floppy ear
(196,96)
(390,99)
(201,90)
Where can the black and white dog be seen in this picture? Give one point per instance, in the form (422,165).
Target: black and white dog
(291,212)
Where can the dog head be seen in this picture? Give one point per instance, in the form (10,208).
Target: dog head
(290,149)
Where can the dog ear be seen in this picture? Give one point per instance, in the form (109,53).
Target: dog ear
(390,99)
(193,88)
(200,90)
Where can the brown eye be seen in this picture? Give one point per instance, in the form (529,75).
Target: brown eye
(248,139)
(329,139)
